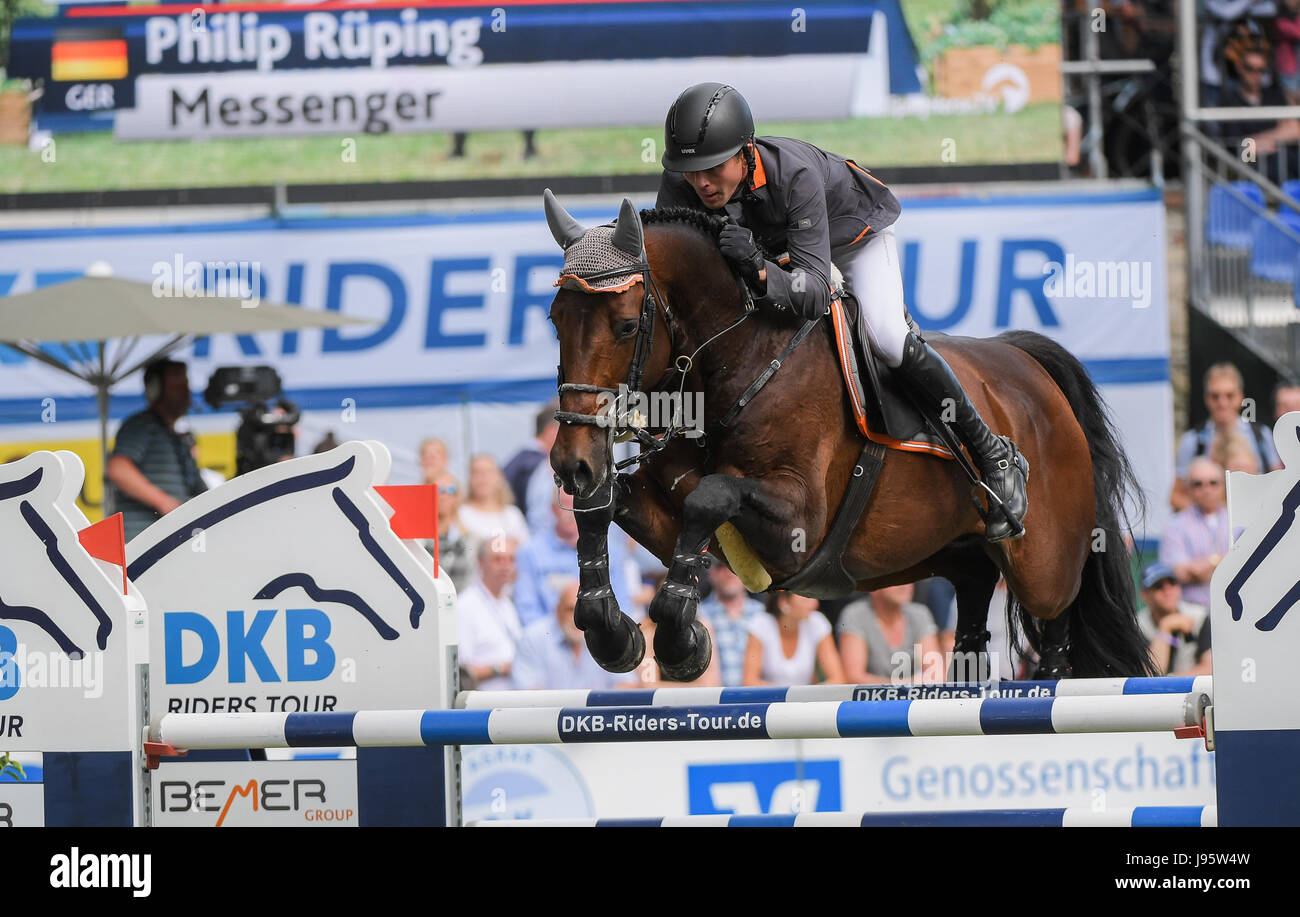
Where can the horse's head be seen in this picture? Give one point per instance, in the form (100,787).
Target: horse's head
(614,329)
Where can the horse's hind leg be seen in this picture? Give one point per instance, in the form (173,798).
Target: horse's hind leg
(1054,649)
(975,579)
(682,646)
(613,639)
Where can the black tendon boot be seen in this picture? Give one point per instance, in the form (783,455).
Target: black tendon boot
(1004,469)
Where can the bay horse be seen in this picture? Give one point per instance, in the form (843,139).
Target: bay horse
(675,318)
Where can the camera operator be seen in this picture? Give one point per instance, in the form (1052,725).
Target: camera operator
(152,469)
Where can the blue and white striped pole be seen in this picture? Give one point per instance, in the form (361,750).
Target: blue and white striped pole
(685,696)
(1139,817)
(813,720)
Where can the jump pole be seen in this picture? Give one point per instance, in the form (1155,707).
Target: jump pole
(812,720)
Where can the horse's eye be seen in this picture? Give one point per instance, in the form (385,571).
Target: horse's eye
(626,329)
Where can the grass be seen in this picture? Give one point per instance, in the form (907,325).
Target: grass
(96,162)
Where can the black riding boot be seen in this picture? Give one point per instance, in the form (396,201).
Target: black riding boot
(1003,468)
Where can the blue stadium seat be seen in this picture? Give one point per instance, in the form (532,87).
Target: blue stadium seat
(1292,190)
(1228,218)
(1274,254)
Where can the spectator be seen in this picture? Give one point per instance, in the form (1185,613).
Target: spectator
(1196,538)
(938,595)
(433,460)
(789,643)
(552,653)
(886,637)
(519,470)
(1233,452)
(1224,397)
(327,443)
(1219,19)
(485,614)
(729,610)
(152,468)
(455,548)
(1170,625)
(1286,398)
(488,511)
(1247,53)
(551,558)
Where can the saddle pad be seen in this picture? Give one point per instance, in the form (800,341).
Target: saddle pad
(883,413)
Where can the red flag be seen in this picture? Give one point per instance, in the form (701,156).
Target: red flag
(415,512)
(106,540)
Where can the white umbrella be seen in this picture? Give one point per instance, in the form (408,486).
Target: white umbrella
(87,313)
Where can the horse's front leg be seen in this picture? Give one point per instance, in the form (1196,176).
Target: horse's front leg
(613,639)
(682,645)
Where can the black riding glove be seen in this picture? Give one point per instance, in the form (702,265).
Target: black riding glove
(738,246)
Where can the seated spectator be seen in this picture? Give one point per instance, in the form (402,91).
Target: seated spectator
(1170,625)
(519,469)
(551,558)
(1233,452)
(485,615)
(789,643)
(885,637)
(728,611)
(488,511)
(1204,661)
(647,675)
(1286,398)
(938,595)
(1247,54)
(1196,539)
(433,460)
(455,548)
(1224,395)
(1219,20)
(552,653)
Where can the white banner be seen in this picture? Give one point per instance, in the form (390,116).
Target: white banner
(423,99)
(460,303)
(836,775)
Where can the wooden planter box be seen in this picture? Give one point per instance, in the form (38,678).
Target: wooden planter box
(15,117)
(959,72)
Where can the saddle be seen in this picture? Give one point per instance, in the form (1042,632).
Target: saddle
(883,411)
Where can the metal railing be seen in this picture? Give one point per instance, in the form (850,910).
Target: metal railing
(1243,249)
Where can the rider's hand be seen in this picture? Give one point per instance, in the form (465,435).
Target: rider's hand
(738,246)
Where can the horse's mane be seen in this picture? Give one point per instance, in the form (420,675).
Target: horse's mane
(708,223)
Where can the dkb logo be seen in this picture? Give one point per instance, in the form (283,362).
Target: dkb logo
(764,787)
(308,655)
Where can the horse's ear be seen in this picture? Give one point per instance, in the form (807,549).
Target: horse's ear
(628,236)
(564,228)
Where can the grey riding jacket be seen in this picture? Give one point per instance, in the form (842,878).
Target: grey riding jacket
(816,206)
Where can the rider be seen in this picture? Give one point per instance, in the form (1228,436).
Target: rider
(821,208)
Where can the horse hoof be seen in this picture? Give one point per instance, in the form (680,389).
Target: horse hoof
(695,663)
(620,650)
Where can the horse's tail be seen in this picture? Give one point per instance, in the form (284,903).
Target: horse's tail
(1104,636)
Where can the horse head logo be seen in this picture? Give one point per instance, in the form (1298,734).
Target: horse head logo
(284,567)
(48,582)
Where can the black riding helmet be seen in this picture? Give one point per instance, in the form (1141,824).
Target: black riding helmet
(707,125)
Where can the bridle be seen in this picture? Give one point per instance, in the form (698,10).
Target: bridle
(628,424)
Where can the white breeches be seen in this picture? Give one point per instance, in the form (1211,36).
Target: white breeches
(877,279)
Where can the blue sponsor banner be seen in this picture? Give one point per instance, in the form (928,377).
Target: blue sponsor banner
(183,39)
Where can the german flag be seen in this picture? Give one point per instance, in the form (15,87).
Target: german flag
(87,55)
